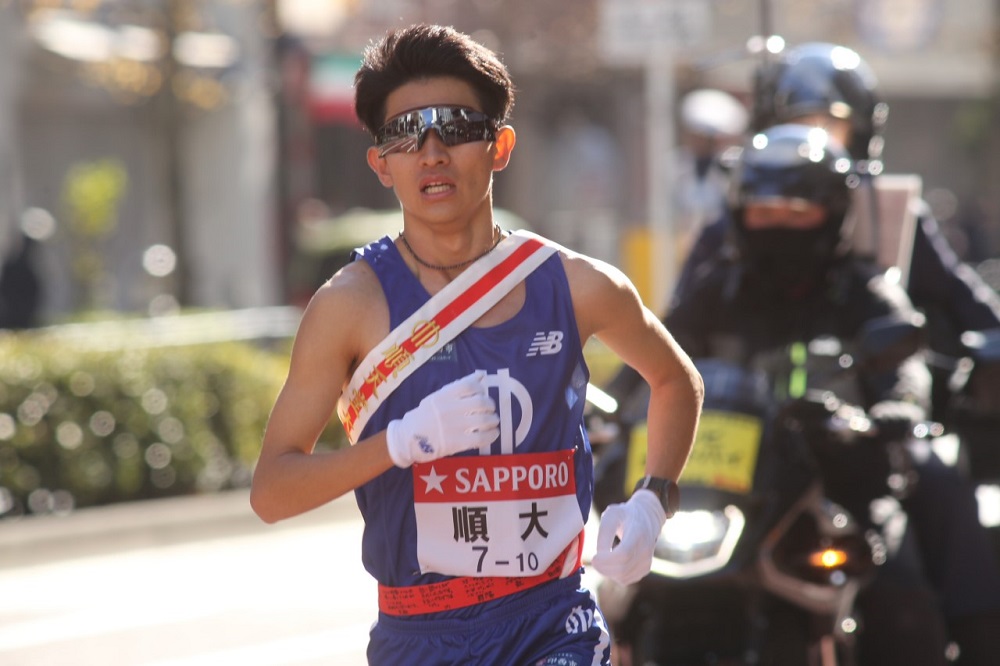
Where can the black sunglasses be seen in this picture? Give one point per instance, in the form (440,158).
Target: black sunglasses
(455,125)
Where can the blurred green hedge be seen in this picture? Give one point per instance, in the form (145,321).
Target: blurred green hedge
(80,427)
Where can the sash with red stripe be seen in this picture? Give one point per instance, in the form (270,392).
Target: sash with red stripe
(437,322)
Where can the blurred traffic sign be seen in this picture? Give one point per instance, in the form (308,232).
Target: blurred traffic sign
(630,30)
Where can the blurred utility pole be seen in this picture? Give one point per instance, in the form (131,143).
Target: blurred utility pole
(11,42)
(169,115)
(992,175)
(650,34)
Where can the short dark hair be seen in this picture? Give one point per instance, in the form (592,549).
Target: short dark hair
(425,51)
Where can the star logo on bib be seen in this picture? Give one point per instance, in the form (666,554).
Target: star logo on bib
(433,481)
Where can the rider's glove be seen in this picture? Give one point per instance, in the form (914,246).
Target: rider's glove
(637,523)
(895,419)
(457,417)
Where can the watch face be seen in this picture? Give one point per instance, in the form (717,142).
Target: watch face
(673,499)
(666,490)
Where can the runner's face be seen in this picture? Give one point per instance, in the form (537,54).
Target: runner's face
(437,182)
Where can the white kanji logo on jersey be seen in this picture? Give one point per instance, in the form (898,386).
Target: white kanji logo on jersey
(545,344)
(510,391)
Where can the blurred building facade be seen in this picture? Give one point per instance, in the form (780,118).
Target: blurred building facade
(180,153)
(938,65)
(146,132)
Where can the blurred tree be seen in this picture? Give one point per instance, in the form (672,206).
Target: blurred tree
(92,193)
(179,62)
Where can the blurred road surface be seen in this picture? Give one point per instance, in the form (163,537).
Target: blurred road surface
(184,582)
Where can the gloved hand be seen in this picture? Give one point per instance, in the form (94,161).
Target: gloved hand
(637,523)
(895,419)
(457,417)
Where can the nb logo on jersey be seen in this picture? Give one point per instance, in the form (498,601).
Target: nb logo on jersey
(545,344)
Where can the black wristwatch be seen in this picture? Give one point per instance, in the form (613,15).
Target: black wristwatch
(665,489)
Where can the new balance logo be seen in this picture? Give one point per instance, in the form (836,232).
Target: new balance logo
(545,344)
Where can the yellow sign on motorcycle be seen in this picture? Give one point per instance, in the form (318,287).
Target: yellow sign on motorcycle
(724,455)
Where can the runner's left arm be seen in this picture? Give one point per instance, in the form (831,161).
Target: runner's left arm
(608,307)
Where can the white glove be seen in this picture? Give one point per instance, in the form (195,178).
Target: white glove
(457,417)
(637,523)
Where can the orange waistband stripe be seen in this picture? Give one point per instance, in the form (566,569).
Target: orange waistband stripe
(465,591)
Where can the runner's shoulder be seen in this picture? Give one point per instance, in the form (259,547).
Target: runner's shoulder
(351,295)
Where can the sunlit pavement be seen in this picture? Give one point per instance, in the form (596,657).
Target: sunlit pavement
(186,582)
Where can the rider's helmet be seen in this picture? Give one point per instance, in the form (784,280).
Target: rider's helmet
(821,78)
(796,166)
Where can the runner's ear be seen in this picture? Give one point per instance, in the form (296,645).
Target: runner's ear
(503,146)
(378,165)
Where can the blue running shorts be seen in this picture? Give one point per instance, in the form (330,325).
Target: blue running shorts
(555,624)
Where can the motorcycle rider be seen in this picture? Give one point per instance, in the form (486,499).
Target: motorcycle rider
(811,84)
(831,86)
(793,278)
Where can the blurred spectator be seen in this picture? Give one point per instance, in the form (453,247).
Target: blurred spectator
(711,122)
(20,286)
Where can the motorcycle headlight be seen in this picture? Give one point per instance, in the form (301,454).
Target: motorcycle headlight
(693,543)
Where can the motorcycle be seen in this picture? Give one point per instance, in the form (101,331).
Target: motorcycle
(970,375)
(768,557)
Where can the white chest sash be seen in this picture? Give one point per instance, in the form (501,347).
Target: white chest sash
(437,322)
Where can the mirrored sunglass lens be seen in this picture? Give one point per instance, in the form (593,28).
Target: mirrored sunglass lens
(458,131)
(396,130)
(400,144)
(455,126)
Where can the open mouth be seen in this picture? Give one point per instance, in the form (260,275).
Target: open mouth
(436,188)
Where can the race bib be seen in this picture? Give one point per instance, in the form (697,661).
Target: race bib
(507,515)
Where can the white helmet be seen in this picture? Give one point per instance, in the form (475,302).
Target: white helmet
(713,113)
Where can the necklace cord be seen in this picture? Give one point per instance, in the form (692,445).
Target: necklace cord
(461,264)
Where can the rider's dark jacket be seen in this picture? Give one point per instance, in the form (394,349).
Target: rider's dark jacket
(731,314)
